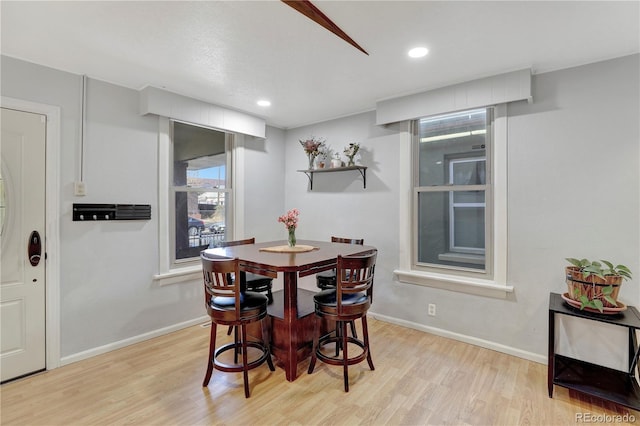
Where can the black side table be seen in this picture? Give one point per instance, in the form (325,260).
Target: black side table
(610,384)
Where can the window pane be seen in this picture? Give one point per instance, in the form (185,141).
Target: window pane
(200,221)
(468,197)
(468,229)
(452,149)
(467,172)
(199,157)
(449,236)
(199,164)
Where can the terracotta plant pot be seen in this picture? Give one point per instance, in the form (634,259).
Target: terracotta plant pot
(592,286)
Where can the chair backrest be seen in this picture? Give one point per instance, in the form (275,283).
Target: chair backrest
(251,240)
(354,274)
(217,275)
(359,241)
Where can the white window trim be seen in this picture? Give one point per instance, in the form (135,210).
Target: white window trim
(192,270)
(496,287)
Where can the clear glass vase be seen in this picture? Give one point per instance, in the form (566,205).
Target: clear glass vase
(311,161)
(292,236)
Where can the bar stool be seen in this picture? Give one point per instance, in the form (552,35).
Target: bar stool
(251,281)
(349,301)
(227,305)
(327,279)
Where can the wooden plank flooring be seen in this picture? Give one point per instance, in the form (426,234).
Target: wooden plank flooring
(420,379)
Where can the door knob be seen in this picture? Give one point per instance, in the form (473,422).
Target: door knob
(35,248)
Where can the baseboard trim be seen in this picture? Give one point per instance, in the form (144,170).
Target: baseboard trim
(541,359)
(487,344)
(130,341)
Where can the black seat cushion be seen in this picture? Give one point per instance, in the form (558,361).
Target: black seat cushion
(329,298)
(326,279)
(327,274)
(253,306)
(255,278)
(248,300)
(255,282)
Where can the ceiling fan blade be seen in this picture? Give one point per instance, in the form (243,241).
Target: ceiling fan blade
(310,11)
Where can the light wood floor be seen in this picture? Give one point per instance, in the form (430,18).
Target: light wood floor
(419,379)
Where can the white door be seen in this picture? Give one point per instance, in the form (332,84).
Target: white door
(22,211)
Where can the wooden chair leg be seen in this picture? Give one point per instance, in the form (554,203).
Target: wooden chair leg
(316,337)
(212,348)
(266,340)
(245,362)
(353,329)
(236,349)
(345,356)
(338,337)
(229,330)
(365,331)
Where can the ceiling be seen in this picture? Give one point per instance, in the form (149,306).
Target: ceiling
(232,53)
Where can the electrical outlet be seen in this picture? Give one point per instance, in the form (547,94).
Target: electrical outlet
(80,189)
(432,310)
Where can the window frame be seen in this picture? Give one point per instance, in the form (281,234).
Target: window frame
(454,280)
(168,272)
(448,186)
(173,189)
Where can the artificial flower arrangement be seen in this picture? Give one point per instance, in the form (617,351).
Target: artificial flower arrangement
(312,147)
(350,151)
(290,220)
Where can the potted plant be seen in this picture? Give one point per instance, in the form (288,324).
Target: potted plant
(595,284)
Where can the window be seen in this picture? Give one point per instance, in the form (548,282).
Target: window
(200,190)
(453,193)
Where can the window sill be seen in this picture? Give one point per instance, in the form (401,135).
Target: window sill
(455,283)
(175,276)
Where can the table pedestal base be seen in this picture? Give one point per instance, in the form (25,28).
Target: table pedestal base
(281,341)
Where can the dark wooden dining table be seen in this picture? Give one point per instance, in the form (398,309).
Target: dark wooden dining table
(291,312)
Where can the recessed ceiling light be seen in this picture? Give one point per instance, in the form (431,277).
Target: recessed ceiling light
(264,103)
(418,52)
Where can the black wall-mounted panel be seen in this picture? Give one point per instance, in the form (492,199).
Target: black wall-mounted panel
(89,212)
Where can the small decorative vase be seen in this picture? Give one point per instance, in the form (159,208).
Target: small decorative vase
(311,160)
(336,162)
(292,236)
(351,162)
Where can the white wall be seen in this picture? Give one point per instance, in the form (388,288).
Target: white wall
(264,177)
(577,139)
